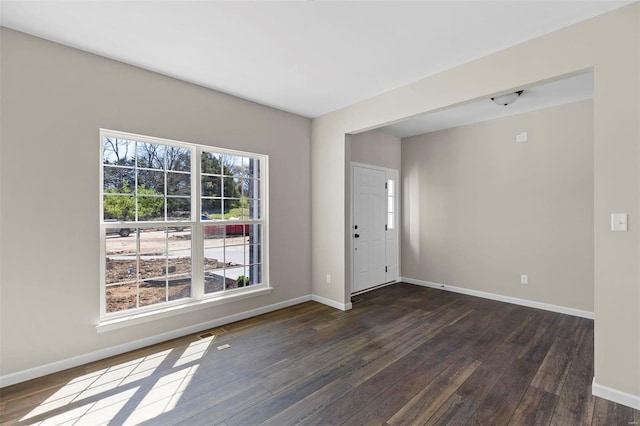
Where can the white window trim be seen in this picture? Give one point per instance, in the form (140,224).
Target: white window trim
(198,299)
(168,310)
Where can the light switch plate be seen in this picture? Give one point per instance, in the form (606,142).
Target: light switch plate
(619,222)
(522,137)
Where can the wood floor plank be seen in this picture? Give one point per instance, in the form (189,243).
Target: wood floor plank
(535,408)
(503,399)
(309,406)
(545,330)
(555,366)
(275,404)
(576,403)
(460,408)
(425,403)
(404,354)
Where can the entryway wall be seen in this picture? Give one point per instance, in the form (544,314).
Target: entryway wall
(377,149)
(481,210)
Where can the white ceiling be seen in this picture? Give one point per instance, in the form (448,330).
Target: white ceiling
(309,58)
(559,92)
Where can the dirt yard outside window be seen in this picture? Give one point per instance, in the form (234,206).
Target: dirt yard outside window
(164,270)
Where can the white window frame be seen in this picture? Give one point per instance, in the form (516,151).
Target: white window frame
(198,298)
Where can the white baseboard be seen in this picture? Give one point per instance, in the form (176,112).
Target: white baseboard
(615,395)
(43,370)
(332,303)
(507,299)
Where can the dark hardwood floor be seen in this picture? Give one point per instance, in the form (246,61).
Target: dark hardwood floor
(404,355)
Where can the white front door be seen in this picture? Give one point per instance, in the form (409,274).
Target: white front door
(374,243)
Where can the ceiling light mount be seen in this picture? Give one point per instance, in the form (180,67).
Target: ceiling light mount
(508,99)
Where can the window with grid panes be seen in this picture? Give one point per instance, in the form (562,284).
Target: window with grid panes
(180,222)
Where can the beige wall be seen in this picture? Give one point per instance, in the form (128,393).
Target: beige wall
(481,209)
(376,148)
(54,100)
(610,44)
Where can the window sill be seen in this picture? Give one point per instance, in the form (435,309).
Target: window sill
(169,311)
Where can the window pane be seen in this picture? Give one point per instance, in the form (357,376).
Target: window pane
(251,167)
(179,265)
(237,230)
(213,258)
(213,281)
(153,253)
(178,159)
(118,151)
(119,180)
(153,266)
(120,266)
(244,280)
(180,287)
(119,208)
(178,184)
(120,255)
(234,254)
(232,208)
(390,204)
(255,234)
(250,209)
(151,155)
(254,254)
(120,241)
(232,187)
(254,272)
(214,231)
(390,187)
(153,291)
(244,211)
(150,182)
(254,209)
(211,186)
(390,221)
(178,208)
(250,188)
(211,163)
(232,165)
(150,208)
(120,269)
(212,209)
(234,277)
(121,297)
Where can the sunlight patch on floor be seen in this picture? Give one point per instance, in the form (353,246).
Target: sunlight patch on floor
(136,390)
(163,397)
(194,351)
